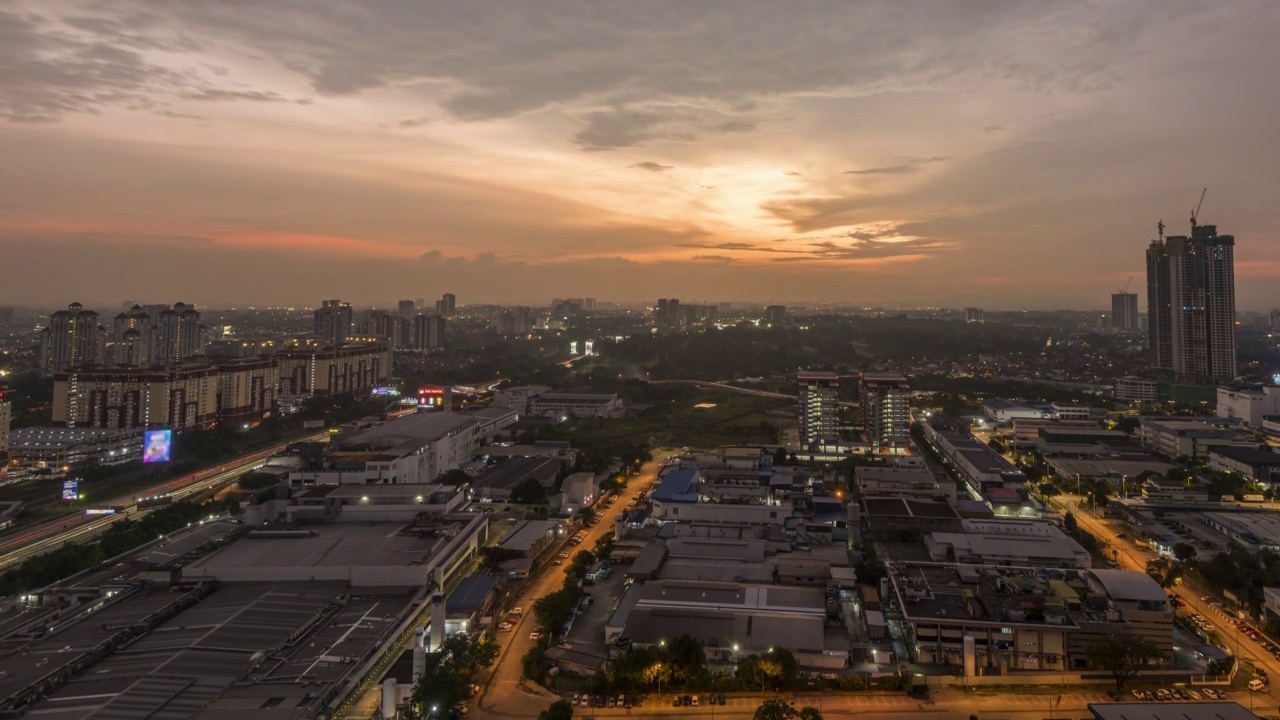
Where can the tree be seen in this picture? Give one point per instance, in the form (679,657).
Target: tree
(454,477)
(1069,523)
(780,456)
(1184,551)
(559,710)
(808,712)
(551,611)
(529,492)
(686,657)
(1122,655)
(778,668)
(776,710)
(447,683)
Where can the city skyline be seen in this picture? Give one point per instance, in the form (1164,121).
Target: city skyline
(898,155)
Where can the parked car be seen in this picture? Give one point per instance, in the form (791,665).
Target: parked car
(695,701)
(721,698)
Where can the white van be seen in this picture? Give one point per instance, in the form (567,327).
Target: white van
(1256,684)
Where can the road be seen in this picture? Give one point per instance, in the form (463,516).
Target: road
(1132,557)
(55,533)
(502,693)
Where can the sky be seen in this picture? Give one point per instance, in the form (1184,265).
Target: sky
(1001,154)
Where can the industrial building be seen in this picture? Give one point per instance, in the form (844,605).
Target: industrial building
(71,449)
(414,449)
(981,467)
(733,620)
(359,554)
(990,620)
(1262,466)
(1175,437)
(1024,543)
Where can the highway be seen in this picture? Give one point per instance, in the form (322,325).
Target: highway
(707,384)
(55,533)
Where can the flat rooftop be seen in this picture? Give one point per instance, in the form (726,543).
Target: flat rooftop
(198,663)
(423,427)
(901,507)
(508,474)
(332,545)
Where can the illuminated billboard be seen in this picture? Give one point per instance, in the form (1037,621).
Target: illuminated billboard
(156,446)
(433,397)
(71,490)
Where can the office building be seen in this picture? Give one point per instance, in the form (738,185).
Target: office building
(408,309)
(974,315)
(1257,464)
(354,368)
(1191,305)
(74,337)
(428,332)
(180,397)
(775,315)
(1124,311)
(332,323)
(886,412)
(818,412)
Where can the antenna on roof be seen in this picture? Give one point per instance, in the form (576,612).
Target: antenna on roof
(1160,229)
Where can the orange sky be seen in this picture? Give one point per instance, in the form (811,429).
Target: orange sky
(904,153)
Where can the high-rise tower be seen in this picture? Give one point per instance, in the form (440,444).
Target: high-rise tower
(819,406)
(1191,304)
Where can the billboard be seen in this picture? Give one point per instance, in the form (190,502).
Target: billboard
(71,490)
(156,446)
(433,397)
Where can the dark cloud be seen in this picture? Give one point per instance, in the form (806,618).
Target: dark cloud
(652,166)
(908,166)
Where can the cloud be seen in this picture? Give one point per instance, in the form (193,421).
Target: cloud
(416,122)
(218,95)
(908,166)
(992,129)
(652,166)
(626,126)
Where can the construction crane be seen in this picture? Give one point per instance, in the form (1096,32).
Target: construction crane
(1125,289)
(1196,213)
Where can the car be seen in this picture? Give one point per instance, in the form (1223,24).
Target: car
(1193,694)
(535,635)
(557,562)
(630,702)
(675,702)
(517,611)
(695,701)
(473,690)
(562,554)
(722,698)
(505,628)
(613,702)
(577,699)
(461,709)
